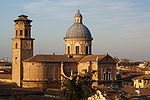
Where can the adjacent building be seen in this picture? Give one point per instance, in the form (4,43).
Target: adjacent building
(142,81)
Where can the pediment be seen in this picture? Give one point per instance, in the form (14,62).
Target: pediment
(107,59)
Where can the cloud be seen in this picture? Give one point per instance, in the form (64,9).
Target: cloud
(112,13)
(66,6)
(120,21)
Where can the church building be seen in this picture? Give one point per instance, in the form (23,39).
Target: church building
(45,70)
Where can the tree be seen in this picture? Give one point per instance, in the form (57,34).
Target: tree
(78,87)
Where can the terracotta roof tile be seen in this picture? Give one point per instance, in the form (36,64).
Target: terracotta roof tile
(50,58)
(92,58)
(132,90)
(5,63)
(5,76)
(38,97)
(63,58)
(142,77)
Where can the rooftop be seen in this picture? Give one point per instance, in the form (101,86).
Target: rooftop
(5,76)
(145,77)
(64,58)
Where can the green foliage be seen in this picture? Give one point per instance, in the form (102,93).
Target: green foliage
(78,87)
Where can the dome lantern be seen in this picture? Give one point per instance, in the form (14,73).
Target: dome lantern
(78,17)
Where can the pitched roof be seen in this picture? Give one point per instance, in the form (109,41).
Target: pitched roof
(5,76)
(132,90)
(129,78)
(64,58)
(5,63)
(50,58)
(92,58)
(143,77)
(39,97)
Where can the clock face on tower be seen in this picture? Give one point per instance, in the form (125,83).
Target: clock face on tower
(27,44)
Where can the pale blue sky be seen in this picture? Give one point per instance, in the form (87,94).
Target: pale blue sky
(120,27)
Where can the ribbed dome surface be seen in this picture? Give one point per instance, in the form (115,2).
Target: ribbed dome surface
(78,30)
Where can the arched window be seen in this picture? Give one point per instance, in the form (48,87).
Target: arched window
(107,75)
(68,49)
(77,49)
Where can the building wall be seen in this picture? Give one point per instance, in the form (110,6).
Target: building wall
(48,74)
(127,83)
(141,83)
(16,61)
(38,74)
(34,74)
(19,53)
(107,65)
(70,68)
(88,67)
(82,43)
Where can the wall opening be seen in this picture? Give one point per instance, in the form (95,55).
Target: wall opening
(26,33)
(21,32)
(68,49)
(87,50)
(16,32)
(77,49)
(16,45)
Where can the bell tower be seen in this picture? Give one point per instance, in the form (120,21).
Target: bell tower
(22,47)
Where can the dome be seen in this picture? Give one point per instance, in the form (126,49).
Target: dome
(78,31)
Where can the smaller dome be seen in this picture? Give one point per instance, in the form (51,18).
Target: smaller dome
(78,14)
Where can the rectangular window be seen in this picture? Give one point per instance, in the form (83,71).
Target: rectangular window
(68,49)
(87,50)
(21,32)
(104,76)
(26,33)
(77,49)
(109,76)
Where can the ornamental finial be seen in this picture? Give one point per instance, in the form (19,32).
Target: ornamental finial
(78,10)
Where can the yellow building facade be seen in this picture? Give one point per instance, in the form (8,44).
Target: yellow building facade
(142,81)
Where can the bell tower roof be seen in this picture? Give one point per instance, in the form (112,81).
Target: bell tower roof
(23,27)
(23,18)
